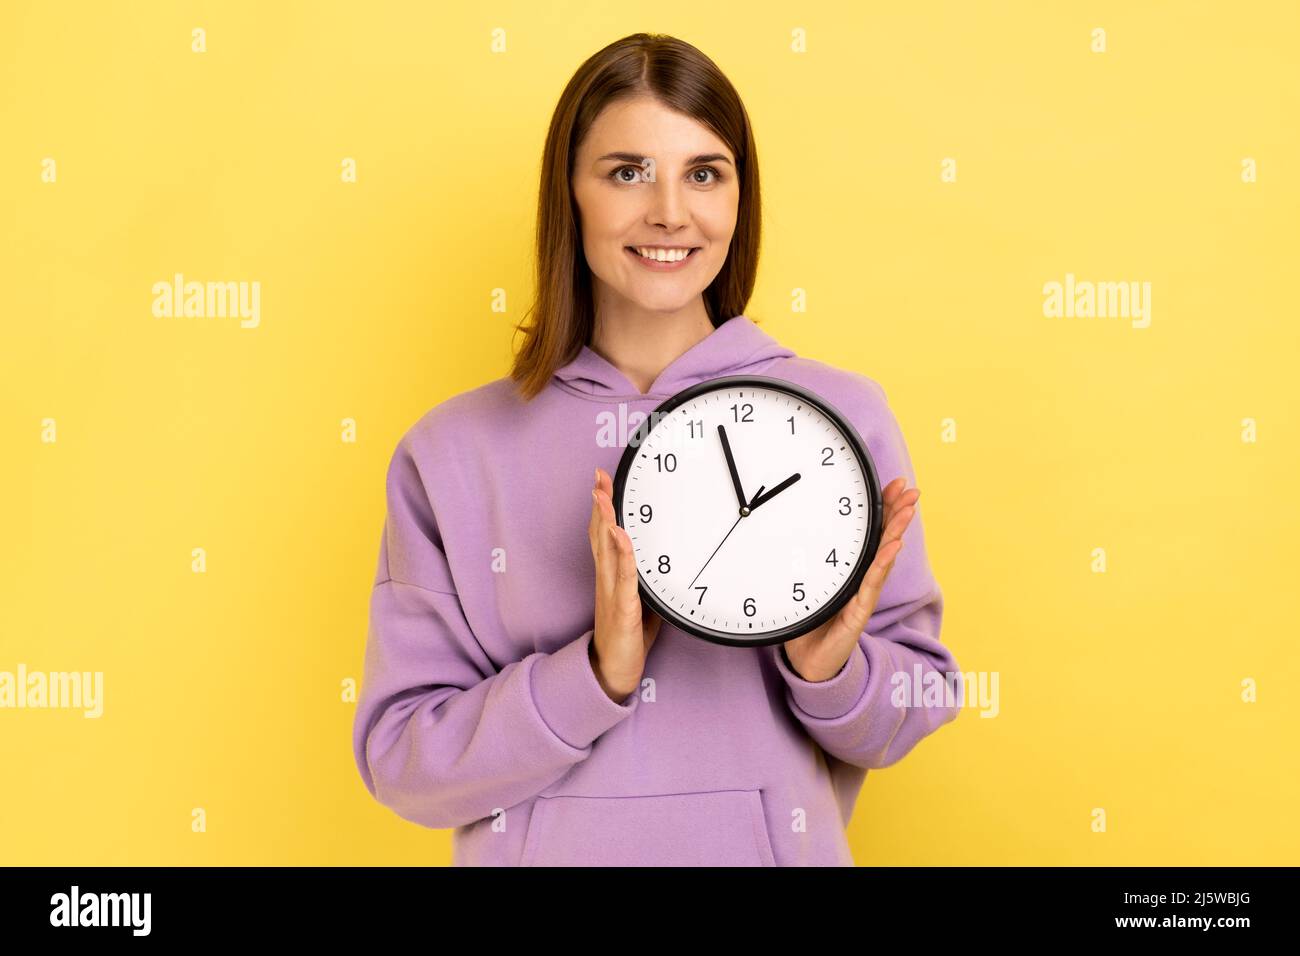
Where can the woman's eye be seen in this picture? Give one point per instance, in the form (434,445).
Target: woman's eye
(635,170)
(637,174)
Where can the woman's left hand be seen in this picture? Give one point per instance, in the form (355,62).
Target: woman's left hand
(821,653)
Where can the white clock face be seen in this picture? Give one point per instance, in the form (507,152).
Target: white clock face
(750,563)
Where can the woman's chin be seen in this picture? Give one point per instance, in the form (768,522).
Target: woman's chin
(666,303)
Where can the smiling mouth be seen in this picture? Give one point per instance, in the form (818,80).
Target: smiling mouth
(666,256)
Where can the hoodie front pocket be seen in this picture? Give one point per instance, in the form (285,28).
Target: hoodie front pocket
(703,828)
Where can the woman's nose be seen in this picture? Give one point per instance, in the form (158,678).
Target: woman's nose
(668,204)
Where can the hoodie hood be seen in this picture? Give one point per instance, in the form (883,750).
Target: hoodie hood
(736,347)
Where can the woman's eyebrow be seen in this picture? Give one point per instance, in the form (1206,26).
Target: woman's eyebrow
(640,160)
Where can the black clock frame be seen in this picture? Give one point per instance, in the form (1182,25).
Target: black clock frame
(865,556)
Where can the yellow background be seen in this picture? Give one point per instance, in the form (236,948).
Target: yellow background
(222,690)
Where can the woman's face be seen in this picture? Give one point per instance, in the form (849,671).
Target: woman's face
(648,178)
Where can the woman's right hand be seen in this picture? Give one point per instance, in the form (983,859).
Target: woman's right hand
(625,631)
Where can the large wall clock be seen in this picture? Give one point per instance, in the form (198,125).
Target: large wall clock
(754,509)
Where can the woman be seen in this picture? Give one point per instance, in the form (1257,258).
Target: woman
(515,689)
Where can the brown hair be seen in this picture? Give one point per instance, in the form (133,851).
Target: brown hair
(684,79)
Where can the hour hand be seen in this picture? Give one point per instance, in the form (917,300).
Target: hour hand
(731,466)
(760,497)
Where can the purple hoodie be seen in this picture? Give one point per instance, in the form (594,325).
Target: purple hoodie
(479,709)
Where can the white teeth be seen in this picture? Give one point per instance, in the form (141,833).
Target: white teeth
(663,255)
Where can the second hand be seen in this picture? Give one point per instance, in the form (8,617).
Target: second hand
(743,513)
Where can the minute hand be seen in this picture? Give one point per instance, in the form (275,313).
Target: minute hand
(761,497)
(731,466)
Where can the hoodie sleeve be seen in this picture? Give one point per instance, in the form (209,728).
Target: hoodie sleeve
(864,715)
(442,736)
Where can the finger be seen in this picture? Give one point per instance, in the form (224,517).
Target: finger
(602,551)
(895,528)
(608,524)
(624,560)
(594,530)
(858,612)
(882,564)
(891,513)
(900,499)
(894,489)
(898,489)
(626,596)
(605,494)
